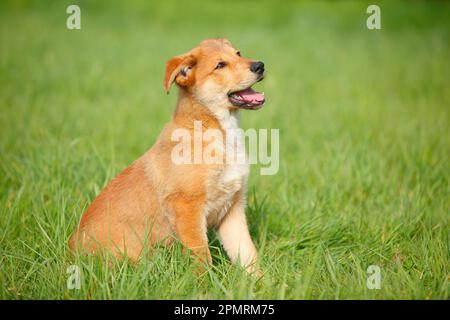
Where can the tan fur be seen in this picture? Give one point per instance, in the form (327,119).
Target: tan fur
(154,200)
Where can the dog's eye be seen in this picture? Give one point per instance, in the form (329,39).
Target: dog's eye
(238,53)
(221,65)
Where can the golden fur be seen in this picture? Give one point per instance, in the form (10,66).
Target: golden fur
(154,200)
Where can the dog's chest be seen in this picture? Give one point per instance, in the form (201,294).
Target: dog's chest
(231,178)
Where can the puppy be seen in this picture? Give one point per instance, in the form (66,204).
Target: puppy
(157,199)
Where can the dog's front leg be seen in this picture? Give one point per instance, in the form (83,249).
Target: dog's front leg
(191,229)
(235,237)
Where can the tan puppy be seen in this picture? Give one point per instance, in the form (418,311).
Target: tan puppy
(156,200)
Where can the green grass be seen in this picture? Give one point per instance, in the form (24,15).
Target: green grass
(364,145)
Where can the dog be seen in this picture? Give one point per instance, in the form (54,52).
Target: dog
(155,200)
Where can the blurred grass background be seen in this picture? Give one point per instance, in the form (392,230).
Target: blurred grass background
(364,143)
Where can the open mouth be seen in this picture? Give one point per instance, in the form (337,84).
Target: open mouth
(247,99)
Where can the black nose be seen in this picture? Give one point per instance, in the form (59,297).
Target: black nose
(257,67)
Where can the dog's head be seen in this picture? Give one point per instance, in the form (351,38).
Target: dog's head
(217,76)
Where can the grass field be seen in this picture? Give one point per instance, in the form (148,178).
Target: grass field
(364,144)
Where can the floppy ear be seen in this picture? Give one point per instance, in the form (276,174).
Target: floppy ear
(179,69)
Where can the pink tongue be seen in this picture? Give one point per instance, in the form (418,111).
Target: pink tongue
(251,95)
